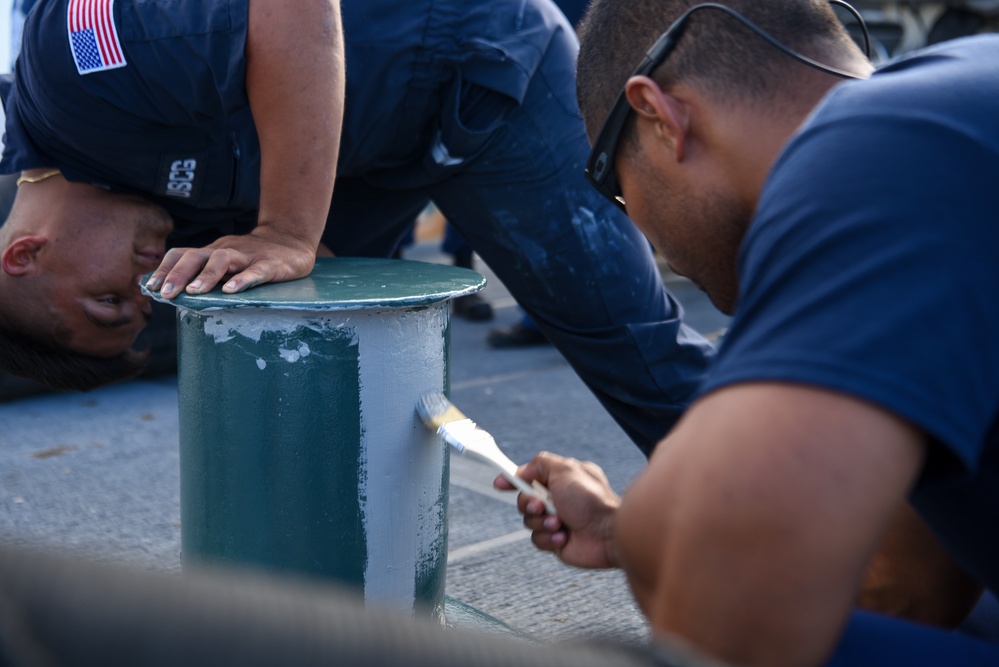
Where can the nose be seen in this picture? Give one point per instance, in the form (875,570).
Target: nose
(141,302)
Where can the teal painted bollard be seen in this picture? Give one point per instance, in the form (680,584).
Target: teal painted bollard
(300,448)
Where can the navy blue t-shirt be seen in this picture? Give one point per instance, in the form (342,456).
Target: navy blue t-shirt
(152,101)
(871,268)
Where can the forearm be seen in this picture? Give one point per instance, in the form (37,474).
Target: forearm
(295,83)
(749,533)
(728,590)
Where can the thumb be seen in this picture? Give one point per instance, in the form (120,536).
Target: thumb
(538,469)
(503,484)
(541,467)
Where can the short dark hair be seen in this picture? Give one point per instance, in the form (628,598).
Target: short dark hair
(716,51)
(44,358)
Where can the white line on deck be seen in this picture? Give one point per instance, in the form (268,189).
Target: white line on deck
(486,545)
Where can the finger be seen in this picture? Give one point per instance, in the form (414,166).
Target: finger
(251,277)
(169,260)
(534,505)
(187,266)
(549,541)
(543,524)
(221,262)
(595,471)
(528,504)
(503,484)
(540,467)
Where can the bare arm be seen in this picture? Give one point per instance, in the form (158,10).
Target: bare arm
(750,532)
(295,84)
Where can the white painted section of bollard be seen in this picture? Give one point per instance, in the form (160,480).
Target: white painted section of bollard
(402,356)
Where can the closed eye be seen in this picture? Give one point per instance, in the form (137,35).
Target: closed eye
(109,313)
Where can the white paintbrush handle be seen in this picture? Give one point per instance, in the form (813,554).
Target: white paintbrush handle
(534,489)
(495,457)
(479,444)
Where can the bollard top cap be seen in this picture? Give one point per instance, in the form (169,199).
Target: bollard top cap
(347,283)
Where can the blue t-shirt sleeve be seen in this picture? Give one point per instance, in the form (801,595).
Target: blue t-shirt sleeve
(872,269)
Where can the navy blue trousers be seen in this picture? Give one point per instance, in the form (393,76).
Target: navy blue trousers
(871,640)
(576,264)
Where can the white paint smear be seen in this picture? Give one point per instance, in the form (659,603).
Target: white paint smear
(402,462)
(291,356)
(252,323)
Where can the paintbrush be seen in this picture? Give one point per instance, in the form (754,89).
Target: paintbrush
(440,415)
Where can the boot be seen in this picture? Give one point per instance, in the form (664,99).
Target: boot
(471,307)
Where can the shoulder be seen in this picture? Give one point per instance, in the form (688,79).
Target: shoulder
(900,148)
(868,264)
(954,84)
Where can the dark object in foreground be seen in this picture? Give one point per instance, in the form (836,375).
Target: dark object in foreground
(62,611)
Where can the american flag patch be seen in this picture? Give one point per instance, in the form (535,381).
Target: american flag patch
(93,36)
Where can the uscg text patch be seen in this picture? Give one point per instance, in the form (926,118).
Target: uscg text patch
(180,176)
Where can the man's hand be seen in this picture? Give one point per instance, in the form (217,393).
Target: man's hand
(582,532)
(295,78)
(261,256)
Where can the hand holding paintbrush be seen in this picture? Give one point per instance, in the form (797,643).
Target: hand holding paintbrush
(440,415)
(584,535)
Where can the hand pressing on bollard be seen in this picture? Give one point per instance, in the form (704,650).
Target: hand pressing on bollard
(239,262)
(582,532)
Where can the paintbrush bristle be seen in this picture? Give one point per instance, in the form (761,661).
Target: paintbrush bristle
(436,411)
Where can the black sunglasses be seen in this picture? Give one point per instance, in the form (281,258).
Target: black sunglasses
(600,165)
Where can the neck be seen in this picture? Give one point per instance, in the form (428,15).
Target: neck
(751,138)
(40,196)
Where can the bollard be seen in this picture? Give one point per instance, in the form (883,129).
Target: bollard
(300,448)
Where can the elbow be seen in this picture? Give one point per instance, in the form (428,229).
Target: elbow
(639,540)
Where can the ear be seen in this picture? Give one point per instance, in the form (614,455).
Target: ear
(669,115)
(21,256)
